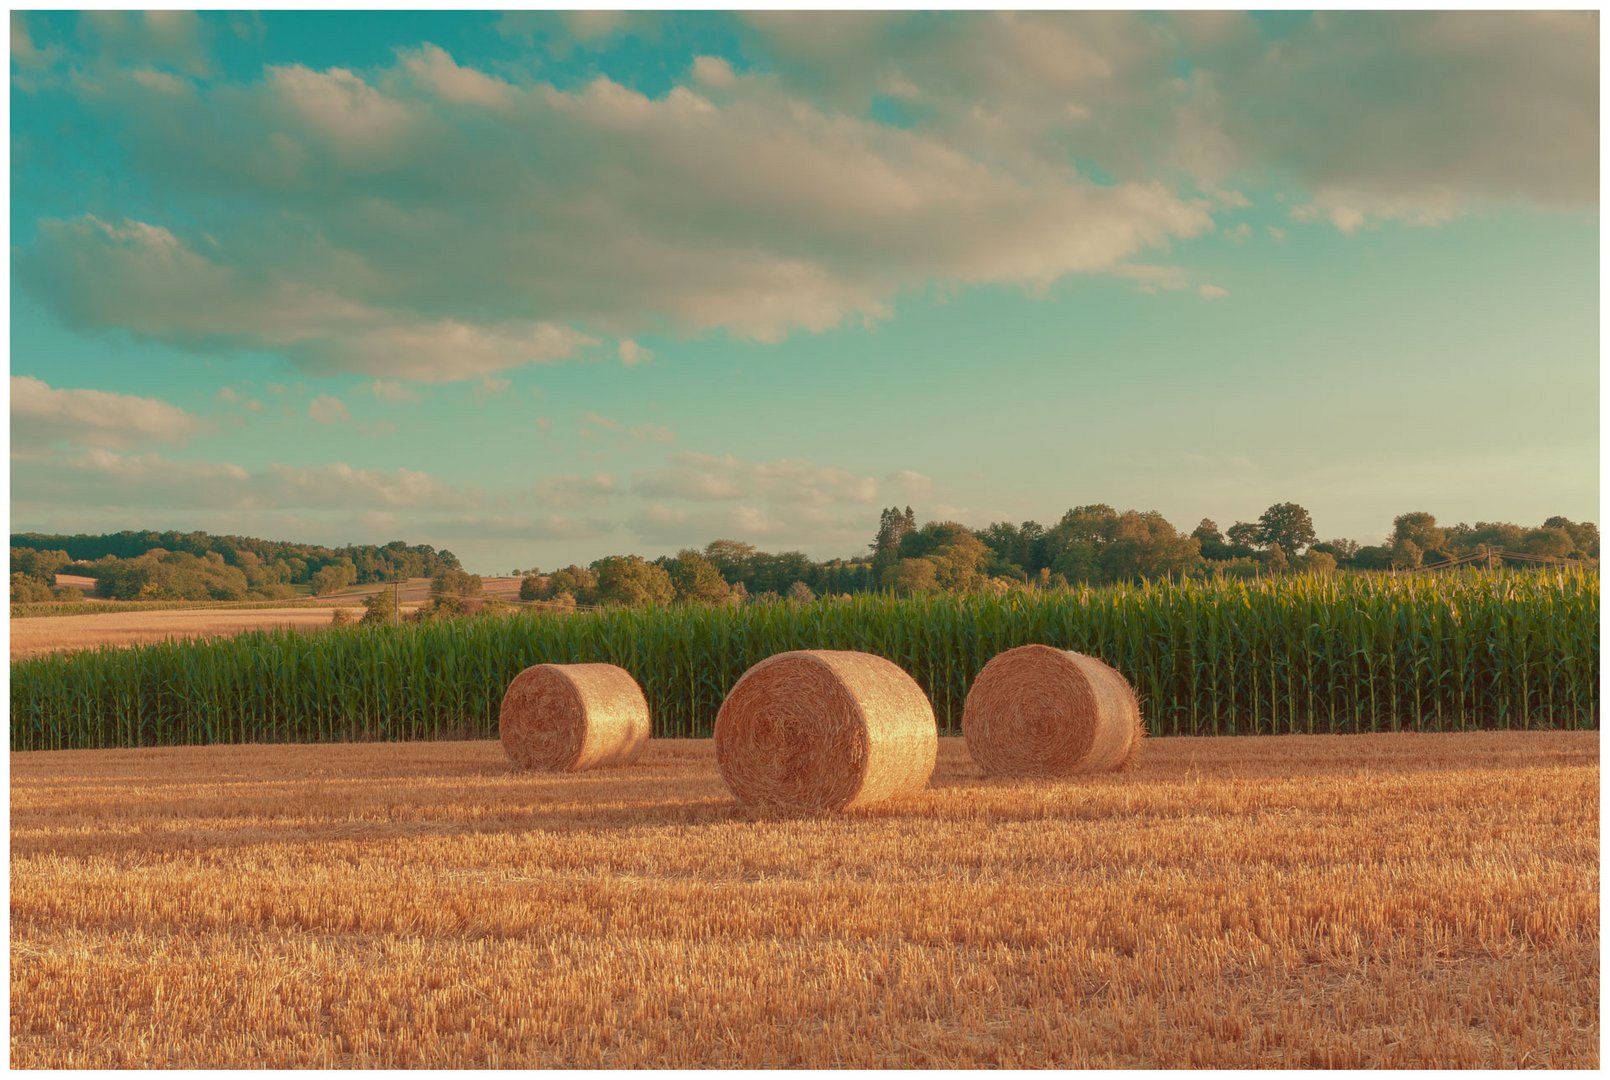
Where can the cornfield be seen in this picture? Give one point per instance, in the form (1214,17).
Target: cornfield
(1316,654)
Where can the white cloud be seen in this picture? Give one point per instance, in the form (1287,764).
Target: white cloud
(590,23)
(571,490)
(393,393)
(1150,278)
(25,53)
(153,484)
(229,395)
(147,280)
(42,414)
(1410,116)
(173,39)
(326,409)
(592,424)
(707,478)
(632,354)
(435,69)
(1212,292)
(760,214)
(713,72)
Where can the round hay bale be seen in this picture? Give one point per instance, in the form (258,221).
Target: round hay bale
(1039,711)
(569,717)
(825,730)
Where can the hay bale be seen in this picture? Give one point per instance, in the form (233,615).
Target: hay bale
(569,717)
(1039,711)
(825,730)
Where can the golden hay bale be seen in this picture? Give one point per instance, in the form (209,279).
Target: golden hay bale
(569,717)
(825,730)
(1039,711)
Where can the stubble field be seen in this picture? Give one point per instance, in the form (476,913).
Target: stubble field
(70,633)
(1371,900)
(43,634)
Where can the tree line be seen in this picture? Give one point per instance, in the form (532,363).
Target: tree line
(1093,544)
(146,565)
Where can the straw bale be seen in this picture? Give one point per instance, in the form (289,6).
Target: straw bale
(825,730)
(1039,711)
(570,717)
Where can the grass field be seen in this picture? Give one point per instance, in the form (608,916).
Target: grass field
(1406,900)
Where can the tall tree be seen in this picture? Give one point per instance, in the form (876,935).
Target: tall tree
(630,579)
(696,579)
(1209,540)
(1286,526)
(1420,529)
(733,558)
(893,526)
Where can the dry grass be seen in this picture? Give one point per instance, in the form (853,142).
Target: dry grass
(1397,900)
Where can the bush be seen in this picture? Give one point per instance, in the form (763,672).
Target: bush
(630,580)
(381,609)
(455,583)
(28,590)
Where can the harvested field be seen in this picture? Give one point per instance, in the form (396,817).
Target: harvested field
(39,635)
(1371,900)
(70,633)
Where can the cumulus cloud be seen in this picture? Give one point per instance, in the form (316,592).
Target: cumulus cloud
(145,279)
(393,393)
(632,354)
(432,221)
(327,409)
(753,212)
(1212,292)
(569,490)
(153,483)
(592,425)
(435,70)
(42,414)
(714,478)
(1412,116)
(231,396)
(172,39)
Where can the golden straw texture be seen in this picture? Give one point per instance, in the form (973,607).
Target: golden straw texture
(1039,711)
(825,730)
(569,717)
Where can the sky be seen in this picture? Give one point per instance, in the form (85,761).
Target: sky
(542,287)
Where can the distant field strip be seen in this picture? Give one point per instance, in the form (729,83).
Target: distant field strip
(1343,653)
(1403,901)
(122,629)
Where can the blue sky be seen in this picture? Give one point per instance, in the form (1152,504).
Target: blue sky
(542,287)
